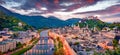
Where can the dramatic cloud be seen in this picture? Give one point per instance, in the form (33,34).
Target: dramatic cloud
(64,9)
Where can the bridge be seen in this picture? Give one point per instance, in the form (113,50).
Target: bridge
(45,41)
(43,47)
(45,38)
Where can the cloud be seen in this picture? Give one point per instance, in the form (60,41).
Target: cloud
(110,12)
(12,3)
(99,6)
(67,4)
(65,9)
(112,19)
(51,5)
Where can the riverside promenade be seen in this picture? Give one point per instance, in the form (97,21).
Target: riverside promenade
(67,48)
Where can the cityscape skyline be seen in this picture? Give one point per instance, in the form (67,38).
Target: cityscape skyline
(59,27)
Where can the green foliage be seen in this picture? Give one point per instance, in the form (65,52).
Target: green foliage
(11,23)
(26,48)
(19,45)
(108,52)
(58,43)
(88,49)
(95,53)
(22,51)
(59,52)
(15,35)
(115,43)
(99,24)
(76,43)
(114,25)
(58,47)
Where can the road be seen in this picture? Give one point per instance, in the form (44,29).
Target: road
(43,47)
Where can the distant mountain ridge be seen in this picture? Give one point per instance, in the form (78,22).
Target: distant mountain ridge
(40,21)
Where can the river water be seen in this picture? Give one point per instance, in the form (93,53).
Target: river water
(44,46)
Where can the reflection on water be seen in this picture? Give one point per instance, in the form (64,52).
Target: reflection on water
(43,47)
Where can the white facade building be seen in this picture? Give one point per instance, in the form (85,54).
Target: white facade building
(7,45)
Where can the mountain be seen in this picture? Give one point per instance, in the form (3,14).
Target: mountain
(73,20)
(40,21)
(12,23)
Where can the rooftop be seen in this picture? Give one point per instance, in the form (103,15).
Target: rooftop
(6,41)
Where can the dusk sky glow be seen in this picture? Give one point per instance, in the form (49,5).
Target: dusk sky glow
(106,10)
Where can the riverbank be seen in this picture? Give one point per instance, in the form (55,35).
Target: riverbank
(67,49)
(26,48)
(44,46)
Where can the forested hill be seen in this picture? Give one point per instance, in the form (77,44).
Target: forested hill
(40,21)
(12,23)
(98,23)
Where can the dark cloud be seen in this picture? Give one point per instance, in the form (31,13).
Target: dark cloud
(112,16)
(117,15)
(1,2)
(66,6)
(54,5)
(109,10)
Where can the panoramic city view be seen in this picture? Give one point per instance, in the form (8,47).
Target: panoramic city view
(59,27)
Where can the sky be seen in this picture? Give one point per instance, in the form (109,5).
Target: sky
(106,10)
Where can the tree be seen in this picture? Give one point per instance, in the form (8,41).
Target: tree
(15,35)
(12,23)
(95,53)
(115,44)
(59,52)
(60,45)
(108,52)
(1,53)
(19,45)
(76,43)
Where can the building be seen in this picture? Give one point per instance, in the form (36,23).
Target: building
(22,34)
(108,34)
(7,45)
(20,24)
(106,29)
(6,29)
(106,45)
(6,36)
(1,39)
(25,34)
(23,40)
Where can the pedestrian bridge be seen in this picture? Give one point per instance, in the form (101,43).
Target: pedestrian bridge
(45,38)
(45,41)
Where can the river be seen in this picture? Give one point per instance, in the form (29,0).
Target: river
(44,46)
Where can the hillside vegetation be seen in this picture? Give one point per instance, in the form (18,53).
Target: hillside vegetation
(12,23)
(99,24)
